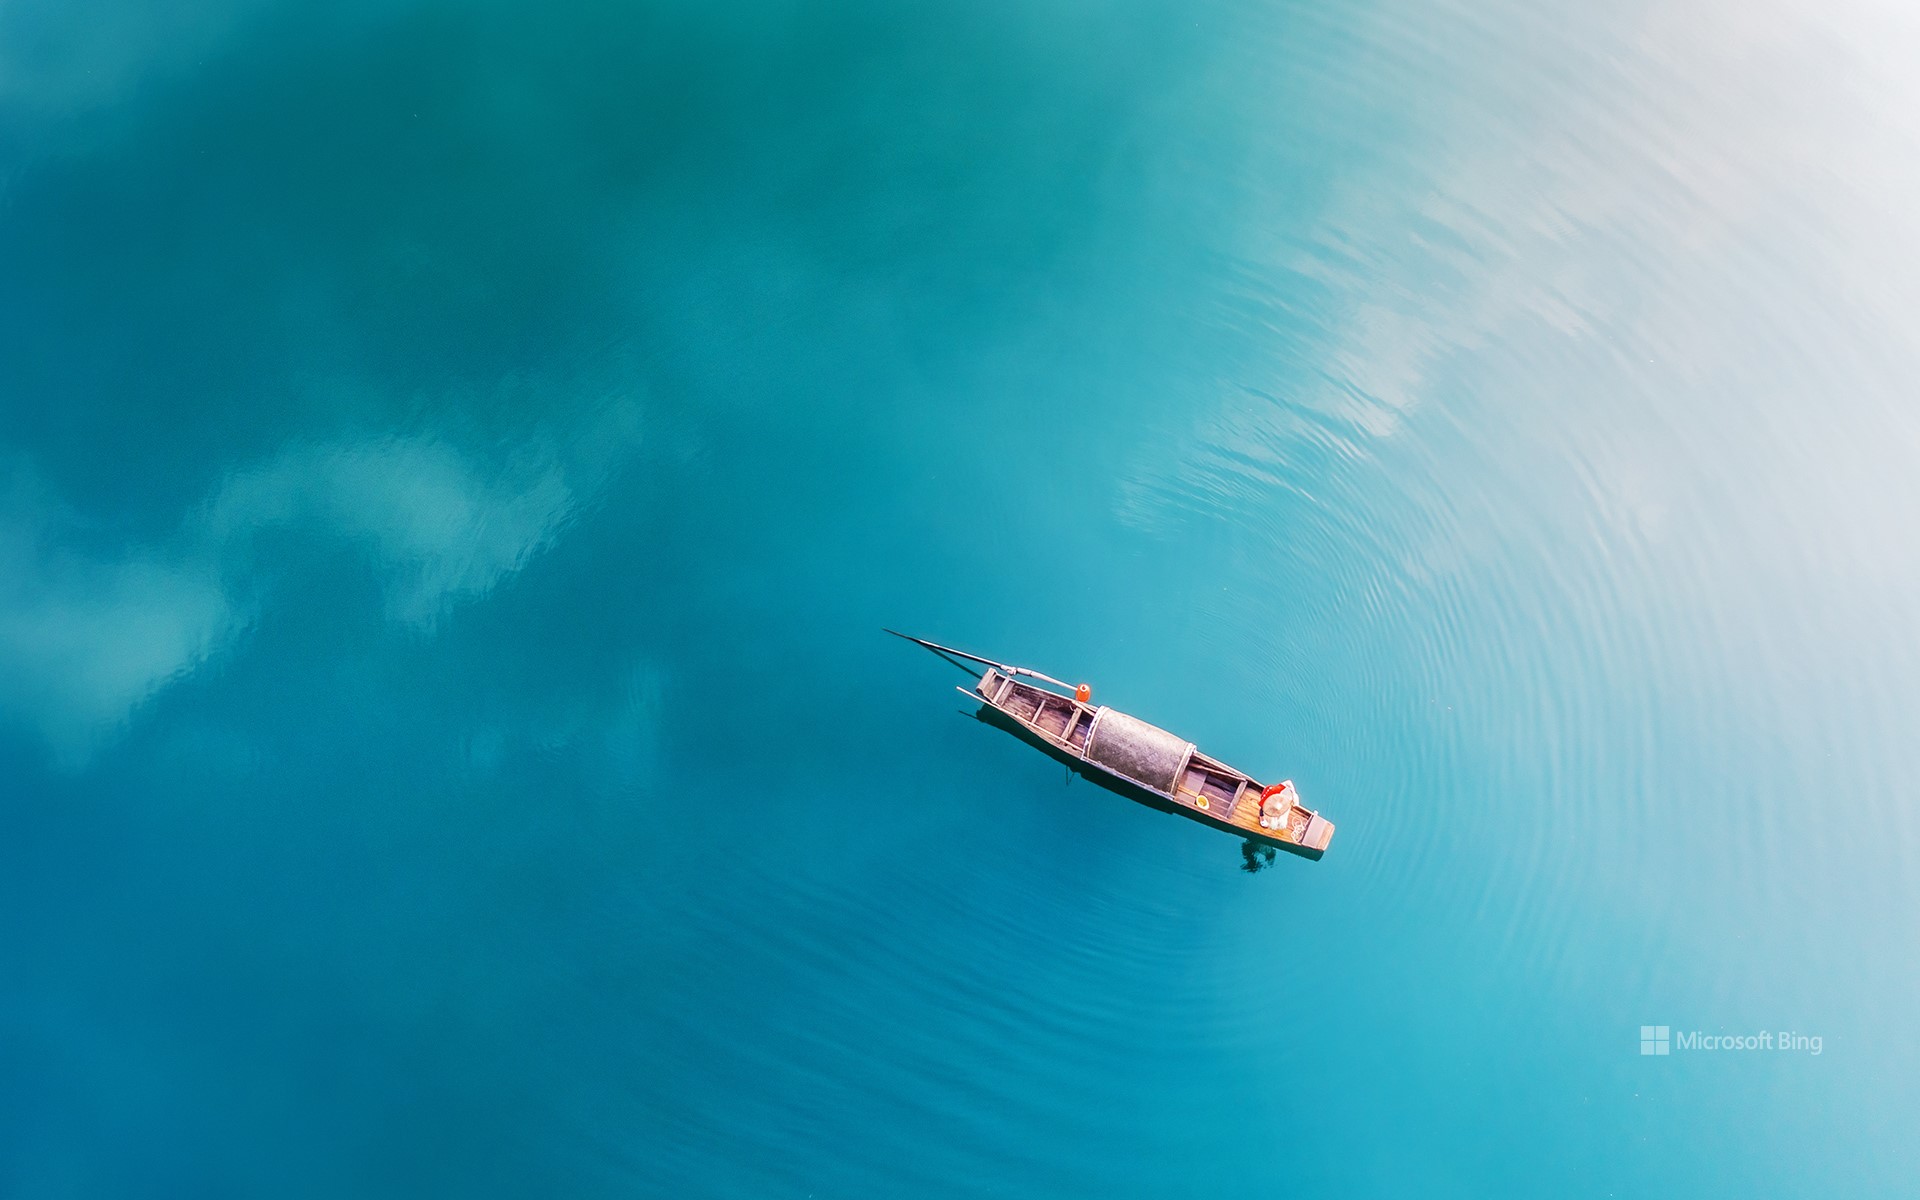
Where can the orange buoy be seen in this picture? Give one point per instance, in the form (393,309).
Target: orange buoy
(1083,693)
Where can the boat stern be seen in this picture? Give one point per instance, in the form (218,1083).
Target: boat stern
(1317,835)
(1291,824)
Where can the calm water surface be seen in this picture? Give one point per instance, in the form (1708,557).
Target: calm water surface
(456,460)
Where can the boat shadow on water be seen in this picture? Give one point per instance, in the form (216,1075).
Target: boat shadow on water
(1256,857)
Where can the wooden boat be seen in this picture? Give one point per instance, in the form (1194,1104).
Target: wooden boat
(1138,760)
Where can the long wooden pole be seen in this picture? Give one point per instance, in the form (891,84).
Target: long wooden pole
(1009,669)
(947,649)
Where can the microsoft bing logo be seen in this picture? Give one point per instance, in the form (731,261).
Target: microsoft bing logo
(1659,1039)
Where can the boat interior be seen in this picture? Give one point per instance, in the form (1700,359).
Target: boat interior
(1206,785)
(1061,717)
(1211,781)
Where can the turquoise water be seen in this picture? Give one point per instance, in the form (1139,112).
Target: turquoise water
(456,461)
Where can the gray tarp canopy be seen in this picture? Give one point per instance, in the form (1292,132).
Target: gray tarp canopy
(1141,752)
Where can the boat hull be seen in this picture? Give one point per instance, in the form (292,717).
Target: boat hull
(992,714)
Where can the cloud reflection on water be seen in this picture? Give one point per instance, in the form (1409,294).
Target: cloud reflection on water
(86,637)
(90,632)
